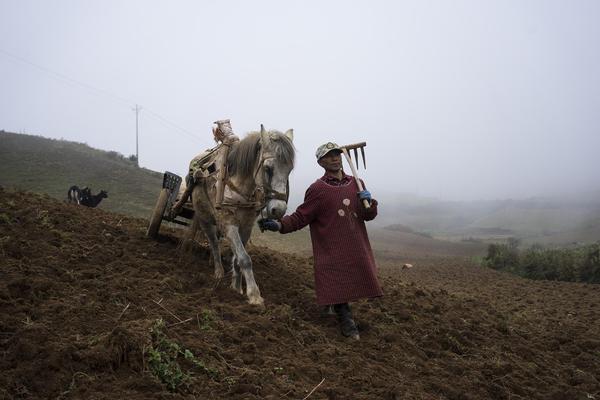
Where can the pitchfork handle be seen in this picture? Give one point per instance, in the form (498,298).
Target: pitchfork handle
(355,174)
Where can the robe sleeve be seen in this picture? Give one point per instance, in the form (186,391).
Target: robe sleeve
(370,213)
(304,214)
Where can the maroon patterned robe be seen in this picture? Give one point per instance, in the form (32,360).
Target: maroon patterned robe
(345,269)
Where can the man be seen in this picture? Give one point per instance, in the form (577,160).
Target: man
(223,135)
(344,266)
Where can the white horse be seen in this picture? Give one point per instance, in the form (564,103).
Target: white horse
(258,167)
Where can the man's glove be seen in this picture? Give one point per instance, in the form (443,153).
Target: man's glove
(268,225)
(365,195)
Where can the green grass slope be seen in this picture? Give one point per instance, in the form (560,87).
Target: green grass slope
(51,166)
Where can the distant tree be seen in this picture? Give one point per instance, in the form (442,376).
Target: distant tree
(115,155)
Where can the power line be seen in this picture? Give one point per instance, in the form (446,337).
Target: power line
(96,90)
(171,124)
(63,77)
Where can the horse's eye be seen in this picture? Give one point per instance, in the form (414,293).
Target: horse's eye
(269,172)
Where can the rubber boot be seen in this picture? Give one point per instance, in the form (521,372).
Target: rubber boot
(327,311)
(347,324)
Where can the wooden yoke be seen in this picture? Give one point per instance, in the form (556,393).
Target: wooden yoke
(355,147)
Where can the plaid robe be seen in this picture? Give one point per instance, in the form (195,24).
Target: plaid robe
(344,266)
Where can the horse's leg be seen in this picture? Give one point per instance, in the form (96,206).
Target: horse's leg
(236,276)
(189,236)
(246,230)
(236,281)
(206,221)
(245,263)
(210,231)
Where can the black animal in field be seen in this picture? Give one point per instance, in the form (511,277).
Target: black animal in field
(85,197)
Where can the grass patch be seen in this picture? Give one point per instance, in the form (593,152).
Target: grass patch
(206,320)
(166,357)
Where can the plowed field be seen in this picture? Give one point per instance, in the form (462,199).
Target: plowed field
(92,309)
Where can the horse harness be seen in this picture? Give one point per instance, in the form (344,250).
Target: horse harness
(261,194)
(257,199)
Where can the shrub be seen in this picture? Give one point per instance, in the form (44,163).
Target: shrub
(503,256)
(579,264)
(549,264)
(590,270)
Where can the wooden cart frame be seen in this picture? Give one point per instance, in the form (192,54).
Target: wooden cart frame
(167,197)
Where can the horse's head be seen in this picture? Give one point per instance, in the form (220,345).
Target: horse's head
(276,163)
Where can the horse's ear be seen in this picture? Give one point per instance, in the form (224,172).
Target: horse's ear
(290,134)
(264,135)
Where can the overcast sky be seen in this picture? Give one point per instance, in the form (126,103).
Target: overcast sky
(456,99)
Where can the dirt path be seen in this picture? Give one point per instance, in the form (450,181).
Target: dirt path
(82,294)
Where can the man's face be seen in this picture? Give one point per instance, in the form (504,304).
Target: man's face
(331,161)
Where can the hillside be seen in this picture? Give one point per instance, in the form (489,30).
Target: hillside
(90,308)
(52,166)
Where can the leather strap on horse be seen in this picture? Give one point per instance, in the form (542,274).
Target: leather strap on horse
(259,197)
(221,175)
(257,204)
(271,194)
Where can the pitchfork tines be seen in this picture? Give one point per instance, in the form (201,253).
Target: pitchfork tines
(355,147)
(346,152)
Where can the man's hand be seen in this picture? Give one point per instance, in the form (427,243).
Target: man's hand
(365,195)
(268,225)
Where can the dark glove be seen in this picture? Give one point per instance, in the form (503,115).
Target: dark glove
(365,195)
(268,225)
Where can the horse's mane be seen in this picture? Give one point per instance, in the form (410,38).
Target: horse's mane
(244,154)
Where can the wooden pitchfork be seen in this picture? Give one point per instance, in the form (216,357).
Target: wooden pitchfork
(346,150)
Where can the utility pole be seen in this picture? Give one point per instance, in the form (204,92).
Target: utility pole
(137,110)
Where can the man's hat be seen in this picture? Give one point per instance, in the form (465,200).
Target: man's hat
(326,148)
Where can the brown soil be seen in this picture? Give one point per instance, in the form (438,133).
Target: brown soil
(81,290)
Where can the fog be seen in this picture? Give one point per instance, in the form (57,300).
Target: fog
(460,100)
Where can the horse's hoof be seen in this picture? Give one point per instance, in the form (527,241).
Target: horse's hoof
(258,301)
(237,288)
